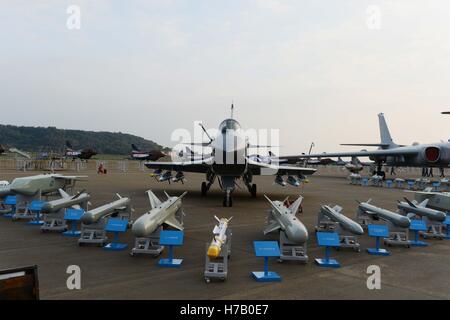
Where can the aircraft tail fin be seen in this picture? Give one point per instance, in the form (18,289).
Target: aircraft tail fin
(134,147)
(385,135)
(68,144)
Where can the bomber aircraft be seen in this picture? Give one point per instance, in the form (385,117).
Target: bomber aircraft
(434,155)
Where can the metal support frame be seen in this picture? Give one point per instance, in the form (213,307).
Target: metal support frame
(347,240)
(397,236)
(218,268)
(54,222)
(22,211)
(435,230)
(93,233)
(148,245)
(290,251)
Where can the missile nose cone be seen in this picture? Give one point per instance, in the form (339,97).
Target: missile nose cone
(87,218)
(138,229)
(358,230)
(440,216)
(404,222)
(213,251)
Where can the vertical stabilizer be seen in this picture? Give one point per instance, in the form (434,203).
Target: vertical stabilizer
(385,135)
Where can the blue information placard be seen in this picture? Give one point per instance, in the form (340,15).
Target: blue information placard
(418,225)
(328,239)
(378,230)
(36,205)
(171,238)
(266,248)
(73,214)
(10,201)
(447,221)
(116,225)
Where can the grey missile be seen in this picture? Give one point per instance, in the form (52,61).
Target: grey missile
(161,212)
(94,215)
(65,202)
(421,209)
(393,217)
(346,223)
(284,219)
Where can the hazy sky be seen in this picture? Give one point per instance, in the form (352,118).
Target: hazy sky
(313,69)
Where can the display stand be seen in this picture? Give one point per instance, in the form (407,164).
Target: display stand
(328,240)
(36,207)
(447,226)
(378,231)
(170,239)
(73,216)
(116,226)
(417,226)
(10,201)
(266,249)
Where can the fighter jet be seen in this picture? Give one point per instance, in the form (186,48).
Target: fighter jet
(229,161)
(84,154)
(152,155)
(436,155)
(44,183)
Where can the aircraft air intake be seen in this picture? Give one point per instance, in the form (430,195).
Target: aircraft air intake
(432,154)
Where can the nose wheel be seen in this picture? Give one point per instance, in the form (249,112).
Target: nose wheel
(204,189)
(227,199)
(253,191)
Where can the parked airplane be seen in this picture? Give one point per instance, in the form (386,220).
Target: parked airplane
(83,154)
(152,155)
(389,153)
(4,150)
(229,161)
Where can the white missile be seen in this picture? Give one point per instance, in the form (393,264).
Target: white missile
(346,223)
(284,219)
(94,215)
(220,237)
(65,202)
(393,217)
(160,213)
(421,209)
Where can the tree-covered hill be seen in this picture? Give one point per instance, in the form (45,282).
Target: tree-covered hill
(40,139)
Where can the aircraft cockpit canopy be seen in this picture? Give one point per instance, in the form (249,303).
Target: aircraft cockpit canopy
(229,124)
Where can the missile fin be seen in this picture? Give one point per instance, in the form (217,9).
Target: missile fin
(174,223)
(272,227)
(409,202)
(424,203)
(63,194)
(154,201)
(296,205)
(337,208)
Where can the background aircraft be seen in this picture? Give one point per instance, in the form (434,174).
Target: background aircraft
(152,155)
(83,154)
(229,161)
(389,153)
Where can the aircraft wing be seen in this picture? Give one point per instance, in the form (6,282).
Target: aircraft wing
(380,153)
(198,166)
(258,168)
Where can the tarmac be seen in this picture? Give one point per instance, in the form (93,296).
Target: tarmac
(416,273)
